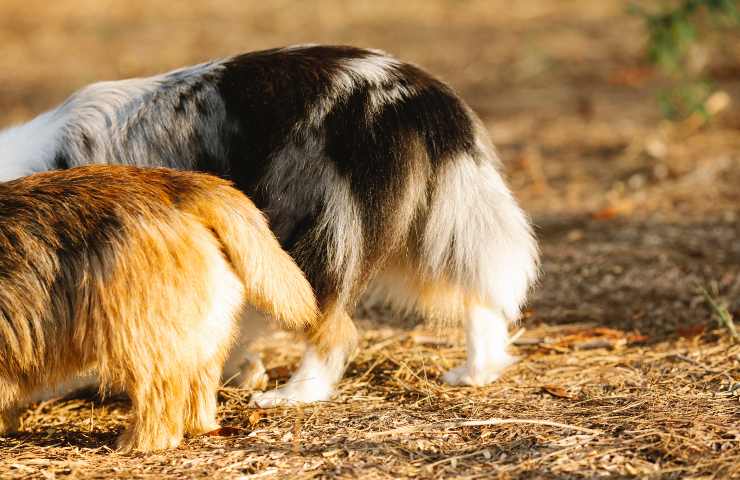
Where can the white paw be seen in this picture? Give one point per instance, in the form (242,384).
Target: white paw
(477,377)
(291,395)
(313,381)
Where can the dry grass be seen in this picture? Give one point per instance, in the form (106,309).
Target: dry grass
(621,373)
(583,402)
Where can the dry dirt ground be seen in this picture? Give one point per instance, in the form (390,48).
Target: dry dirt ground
(624,370)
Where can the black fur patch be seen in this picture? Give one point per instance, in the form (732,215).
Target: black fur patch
(61,161)
(268,94)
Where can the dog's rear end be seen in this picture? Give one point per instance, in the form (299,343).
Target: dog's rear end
(138,273)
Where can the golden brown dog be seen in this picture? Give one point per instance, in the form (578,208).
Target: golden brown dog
(138,273)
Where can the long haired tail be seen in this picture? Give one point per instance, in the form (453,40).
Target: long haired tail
(272,280)
(476,236)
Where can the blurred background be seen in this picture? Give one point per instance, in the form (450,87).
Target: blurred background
(618,122)
(566,87)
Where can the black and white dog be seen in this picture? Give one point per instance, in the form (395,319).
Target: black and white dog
(372,173)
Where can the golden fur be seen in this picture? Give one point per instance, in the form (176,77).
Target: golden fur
(138,273)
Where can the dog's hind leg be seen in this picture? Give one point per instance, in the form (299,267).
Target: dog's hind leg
(447,304)
(476,238)
(244,367)
(158,413)
(173,380)
(200,416)
(9,406)
(9,418)
(487,340)
(209,340)
(323,363)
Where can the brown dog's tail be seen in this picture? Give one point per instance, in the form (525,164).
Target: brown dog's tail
(272,280)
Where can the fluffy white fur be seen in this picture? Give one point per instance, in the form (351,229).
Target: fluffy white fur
(29,148)
(494,248)
(314,381)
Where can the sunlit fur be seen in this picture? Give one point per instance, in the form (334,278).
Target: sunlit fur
(373,174)
(139,274)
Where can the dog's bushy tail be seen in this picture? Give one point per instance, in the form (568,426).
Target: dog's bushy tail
(475,234)
(273,281)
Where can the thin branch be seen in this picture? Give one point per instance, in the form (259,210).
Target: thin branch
(481,423)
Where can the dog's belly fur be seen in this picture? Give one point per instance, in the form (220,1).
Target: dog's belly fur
(243,367)
(362,163)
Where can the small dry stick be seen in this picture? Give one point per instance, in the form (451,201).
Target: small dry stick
(517,335)
(481,423)
(297,429)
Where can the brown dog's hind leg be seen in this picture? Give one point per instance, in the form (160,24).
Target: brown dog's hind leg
(9,419)
(201,407)
(9,406)
(158,413)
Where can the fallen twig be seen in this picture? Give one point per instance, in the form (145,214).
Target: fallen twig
(481,423)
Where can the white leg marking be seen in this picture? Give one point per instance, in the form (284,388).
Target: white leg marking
(314,381)
(487,341)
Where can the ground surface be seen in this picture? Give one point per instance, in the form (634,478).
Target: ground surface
(623,371)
